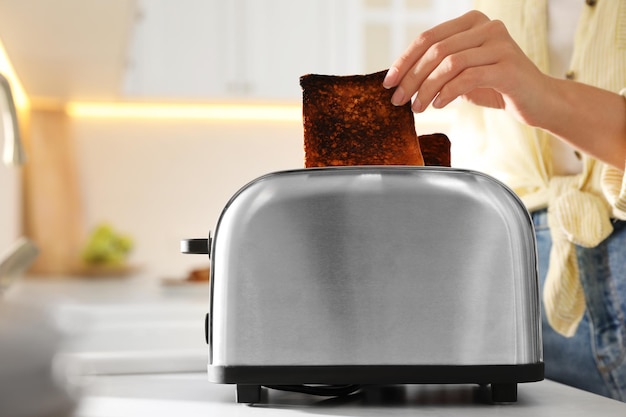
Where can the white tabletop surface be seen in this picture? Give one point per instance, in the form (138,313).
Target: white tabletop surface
(142,344)
(190,395)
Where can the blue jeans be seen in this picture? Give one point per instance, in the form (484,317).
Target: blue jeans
(594,359)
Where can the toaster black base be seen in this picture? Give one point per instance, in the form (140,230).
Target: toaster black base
(502,378)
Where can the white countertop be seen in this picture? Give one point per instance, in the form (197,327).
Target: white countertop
(191,395)
(143,347)
(134,324)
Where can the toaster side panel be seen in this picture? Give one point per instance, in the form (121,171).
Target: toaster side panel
(376,266)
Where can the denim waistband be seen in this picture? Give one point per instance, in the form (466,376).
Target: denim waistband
(540,218)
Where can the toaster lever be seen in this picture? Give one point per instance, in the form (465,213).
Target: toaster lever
(195,246)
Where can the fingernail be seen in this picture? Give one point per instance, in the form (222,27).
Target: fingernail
(417,105)
(397,99)
(391,77)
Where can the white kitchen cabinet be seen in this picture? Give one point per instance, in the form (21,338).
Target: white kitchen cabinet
(215,49)
(387,27)
(212,49)
(286,39)
(172,51)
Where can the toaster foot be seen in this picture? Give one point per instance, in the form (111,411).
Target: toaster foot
(248,393)
(504,393)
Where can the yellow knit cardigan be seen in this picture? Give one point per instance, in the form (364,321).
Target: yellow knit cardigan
(579,207)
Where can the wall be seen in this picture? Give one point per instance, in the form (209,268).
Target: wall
(163,181)
(167,180)
(52,204)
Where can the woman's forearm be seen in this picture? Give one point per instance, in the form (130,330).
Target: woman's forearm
(589,118)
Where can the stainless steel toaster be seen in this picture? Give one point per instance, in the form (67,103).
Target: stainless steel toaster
(349,276)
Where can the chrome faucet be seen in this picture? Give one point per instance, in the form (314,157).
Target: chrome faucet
(20,256)
(13,150)
(15,261)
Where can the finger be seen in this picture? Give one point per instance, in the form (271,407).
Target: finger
(450,53)
(469,84)
(495,66)
(425,40)
(446,80)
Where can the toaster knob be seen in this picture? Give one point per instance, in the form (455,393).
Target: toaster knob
(196,246)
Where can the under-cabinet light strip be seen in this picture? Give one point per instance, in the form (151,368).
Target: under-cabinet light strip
(220,112)
(256,112)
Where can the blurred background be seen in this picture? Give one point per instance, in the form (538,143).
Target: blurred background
(140,119)
(149,114)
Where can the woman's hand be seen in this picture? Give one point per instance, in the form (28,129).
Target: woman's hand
(475,58)
(471,57)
